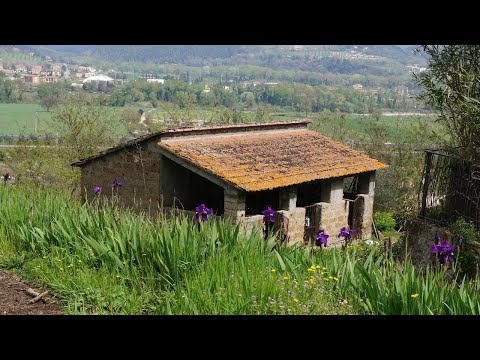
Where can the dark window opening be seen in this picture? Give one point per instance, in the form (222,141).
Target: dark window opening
(256,202)
(308,193)
(350,185)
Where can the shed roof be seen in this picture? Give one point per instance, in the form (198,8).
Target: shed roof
(270,159)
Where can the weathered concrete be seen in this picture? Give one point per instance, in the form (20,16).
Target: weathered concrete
(288,198)
(366,183)
(363,217)
(137,168)
(234,205)
(332,191)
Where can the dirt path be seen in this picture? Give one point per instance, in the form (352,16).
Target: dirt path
(14,301)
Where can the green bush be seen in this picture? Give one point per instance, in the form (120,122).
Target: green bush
(464,229)
(384,221)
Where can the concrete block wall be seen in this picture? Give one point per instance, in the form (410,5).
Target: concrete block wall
(332,217)
(296,225)
(234,205)
(138,169)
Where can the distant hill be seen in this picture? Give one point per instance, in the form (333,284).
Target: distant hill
(142,53)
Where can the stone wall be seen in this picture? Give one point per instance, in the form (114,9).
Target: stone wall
(234,205)
(253,222)
(332,217)
(362,217)
(138,169)
(296,225)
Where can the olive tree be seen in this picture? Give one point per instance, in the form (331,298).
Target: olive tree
(451,87)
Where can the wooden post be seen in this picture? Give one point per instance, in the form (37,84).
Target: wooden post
(426,182)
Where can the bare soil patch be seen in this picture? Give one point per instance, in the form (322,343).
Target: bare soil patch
(15,301)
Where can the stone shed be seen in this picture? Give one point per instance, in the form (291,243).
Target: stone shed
(237,170)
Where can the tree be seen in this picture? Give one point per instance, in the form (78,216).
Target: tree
(50,94)
(451,87)
(84,127)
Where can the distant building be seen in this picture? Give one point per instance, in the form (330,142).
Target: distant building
(161,81)
(56,68)
(36,69)
(271,83)
(98,79)
(401,90)
(49,79)
(415,68)
(20,68)
(32,79)
(31,53)
(357,86)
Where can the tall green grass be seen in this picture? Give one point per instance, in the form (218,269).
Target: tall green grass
(104,259)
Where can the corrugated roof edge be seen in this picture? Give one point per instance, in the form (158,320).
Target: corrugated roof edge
(217,129)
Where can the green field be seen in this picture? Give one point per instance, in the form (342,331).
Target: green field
(18,118)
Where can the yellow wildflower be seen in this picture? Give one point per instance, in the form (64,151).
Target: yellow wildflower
(295,282)
(317,267)
(335,278)
(273,270)
(79,261)
(296,300)
(325,279)
(330,277)
(323,272)
(61,269)
(118,276)
(285,278)
(414,296)
(345,302)
(324,268)
(312,281)
(310,270)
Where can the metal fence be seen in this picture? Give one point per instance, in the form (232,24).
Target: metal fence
(450,188)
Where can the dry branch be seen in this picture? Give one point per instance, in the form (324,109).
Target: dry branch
(39,297)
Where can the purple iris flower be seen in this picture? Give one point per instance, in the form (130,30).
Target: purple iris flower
(345,233)
(6,177)
(96,189)
(443,251)
(437,238)
(116,184)
(203,211)
(321,238)
(268,215)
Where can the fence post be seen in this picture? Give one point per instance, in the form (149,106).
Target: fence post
(426,178)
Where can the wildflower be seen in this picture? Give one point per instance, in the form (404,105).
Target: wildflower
(268,215)
(443,251)
(116,184)
(273,270)
(61,269)
(295,282)
(345,302)
(317,267)
(96,189)
(330,277)
(79,261)
(324,268)
(285,278)
(414,296)
(369,242)
(296,300)
(321,238)
(345,233)
(203,211)
(335,278)
(117,276)
(325,279)
(310,270)
(6,177)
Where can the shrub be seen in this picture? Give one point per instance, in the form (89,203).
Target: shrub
(464,229)
(384,221)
